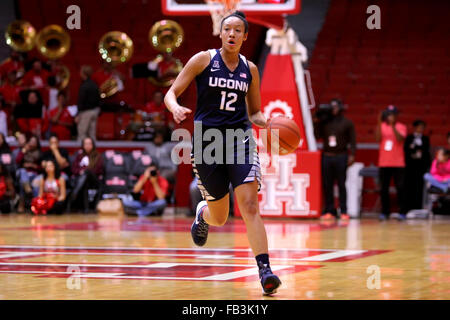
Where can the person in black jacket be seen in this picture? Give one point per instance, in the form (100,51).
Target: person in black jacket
(417,161)
(339,147)
(88,105)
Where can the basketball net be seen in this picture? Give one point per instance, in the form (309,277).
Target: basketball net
(220,9)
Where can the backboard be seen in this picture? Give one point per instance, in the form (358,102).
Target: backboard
(250,7)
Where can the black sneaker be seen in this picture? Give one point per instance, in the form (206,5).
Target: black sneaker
(269,281)
(199,229)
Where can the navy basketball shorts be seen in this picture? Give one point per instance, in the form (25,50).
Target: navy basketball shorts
(238,163)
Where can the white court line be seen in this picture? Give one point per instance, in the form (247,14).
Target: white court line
(139,266)
(332,255)
(16,254)
(158,249)
(184,255)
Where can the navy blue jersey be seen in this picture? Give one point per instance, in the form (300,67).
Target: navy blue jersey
(221,93)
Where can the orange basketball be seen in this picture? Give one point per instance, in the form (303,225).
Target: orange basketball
(288,134)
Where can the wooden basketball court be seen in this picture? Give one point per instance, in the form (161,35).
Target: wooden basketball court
(90,257)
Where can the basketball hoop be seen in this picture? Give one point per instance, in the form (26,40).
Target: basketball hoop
(220,9)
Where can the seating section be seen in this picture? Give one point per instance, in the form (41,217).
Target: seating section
(405,63)
(134,17)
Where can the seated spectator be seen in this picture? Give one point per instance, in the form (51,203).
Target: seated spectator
(158,111)
(87,168)
(439,176)
(58,120)
(37,77)
(4,146)
(21,139)
(28,115)
(152,200)
(161,151)
(29,166)
(59,155)
(52,98)
(13,64)
(7,192)
(10,91)
(52,191)
(417,160)
(3,118)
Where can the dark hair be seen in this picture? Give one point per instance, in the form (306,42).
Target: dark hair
(448,134)
(237,14)
(51,81)
(419,122)
(94,155)
(57,170)
(53,135)
(86,70)
(62,93)
(4,172)
(4,147)
(37,140)
(338,102)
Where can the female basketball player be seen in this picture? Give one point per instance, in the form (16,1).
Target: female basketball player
(225,82)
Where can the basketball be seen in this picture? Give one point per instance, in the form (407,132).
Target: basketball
(288,134)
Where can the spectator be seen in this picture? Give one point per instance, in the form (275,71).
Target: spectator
(87,168)
(88,105)
(52,191)
(21,142)
(10,91)
(338,134)
(7,192)
(161,151)
(58,121)
(158,111)
(52,93)
(13,64)
(28,115)
(58,155)
(439,176)
(37,77)
(4,146)
(391,159)
(28,163)
(417,160)
(152,200)
(107,72)
(3,118)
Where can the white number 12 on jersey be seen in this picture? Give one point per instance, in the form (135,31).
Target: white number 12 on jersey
(232,96)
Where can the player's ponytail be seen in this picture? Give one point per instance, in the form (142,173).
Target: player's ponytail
(237,14)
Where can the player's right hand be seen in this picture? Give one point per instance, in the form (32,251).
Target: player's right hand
(180,113)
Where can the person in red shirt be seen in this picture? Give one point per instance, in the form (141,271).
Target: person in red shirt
(158,110)
(391,160)
(58,120)
(9,90)
(37,77)
(13,64)
(152,200)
